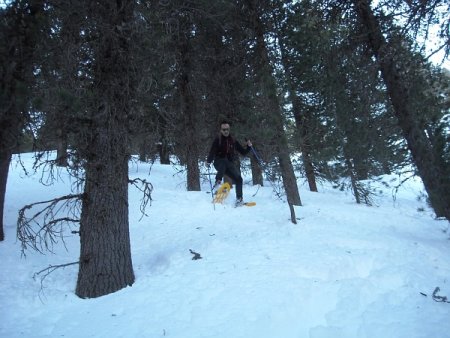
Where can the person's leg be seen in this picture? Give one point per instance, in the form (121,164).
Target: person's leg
(234,174)
(221,165)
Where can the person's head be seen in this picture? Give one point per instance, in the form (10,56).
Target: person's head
(225,128)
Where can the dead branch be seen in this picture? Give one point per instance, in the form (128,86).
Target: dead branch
(146,188)
(50,269)
(441,299)
(196,255)
(42,230)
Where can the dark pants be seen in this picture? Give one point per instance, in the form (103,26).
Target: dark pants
(227,167)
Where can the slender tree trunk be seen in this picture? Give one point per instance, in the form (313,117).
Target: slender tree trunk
(61,149)
(269,89)
(105,254)
(9,134)
(309,168)
(429,164)
(164,148)
(164,154)
(188,111)
(301,119)
(257,175)
(5,160)
(143,149)
(353,179)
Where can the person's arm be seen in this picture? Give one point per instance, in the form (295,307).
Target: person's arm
(241,149)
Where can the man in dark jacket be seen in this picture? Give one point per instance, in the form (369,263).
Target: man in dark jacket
(223,154)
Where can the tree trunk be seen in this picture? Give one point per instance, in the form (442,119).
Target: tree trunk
(143,149)
(289,179)
(61,150)
(270,91)
(257,175)
(19,29)
(353,179)
(309,168)
(301,119)
(105,254)
(164,147)
(164,153)
(427,161)
(188,111)
(5,160)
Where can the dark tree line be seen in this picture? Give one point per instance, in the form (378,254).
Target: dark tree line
(341,83)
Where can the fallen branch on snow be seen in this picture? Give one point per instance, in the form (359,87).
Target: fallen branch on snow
(441,299)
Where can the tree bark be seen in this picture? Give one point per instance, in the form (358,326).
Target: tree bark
(105,253)
(427,161)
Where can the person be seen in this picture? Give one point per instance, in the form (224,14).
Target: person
(222,152)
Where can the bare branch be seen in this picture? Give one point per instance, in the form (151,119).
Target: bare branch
(47,271)
(441,299)
(146,188)
(42,230)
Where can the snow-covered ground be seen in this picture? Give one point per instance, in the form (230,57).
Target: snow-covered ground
(345,270)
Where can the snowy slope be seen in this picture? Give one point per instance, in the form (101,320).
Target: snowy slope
(345,270)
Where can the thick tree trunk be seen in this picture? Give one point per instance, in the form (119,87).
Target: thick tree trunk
(428,163)
(105,254)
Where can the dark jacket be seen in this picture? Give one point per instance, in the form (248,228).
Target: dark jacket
(224,147)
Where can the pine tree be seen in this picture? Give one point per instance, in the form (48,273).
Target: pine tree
(430,164)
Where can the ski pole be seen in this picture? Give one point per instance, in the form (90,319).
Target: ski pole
(258,158)
(211,186)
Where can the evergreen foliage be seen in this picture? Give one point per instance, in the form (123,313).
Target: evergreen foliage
(302,79)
